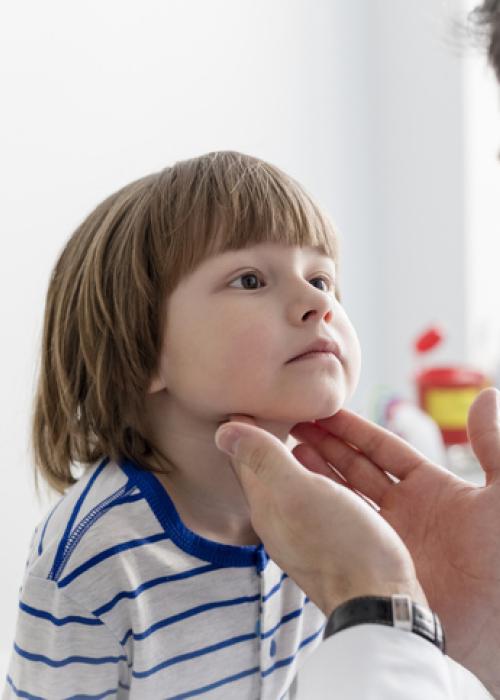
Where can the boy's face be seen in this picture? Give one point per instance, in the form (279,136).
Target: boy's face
(233,326)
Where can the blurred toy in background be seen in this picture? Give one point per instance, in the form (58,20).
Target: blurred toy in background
(408,421)
(436,423)
(447,392)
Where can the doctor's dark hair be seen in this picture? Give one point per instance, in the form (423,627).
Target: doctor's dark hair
(107,296)
(486,19)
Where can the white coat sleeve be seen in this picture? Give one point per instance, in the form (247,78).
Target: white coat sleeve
(378,662)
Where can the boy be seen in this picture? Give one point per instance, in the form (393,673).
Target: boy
(146,580)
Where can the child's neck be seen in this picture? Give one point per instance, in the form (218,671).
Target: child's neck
(203,485)
(208,516)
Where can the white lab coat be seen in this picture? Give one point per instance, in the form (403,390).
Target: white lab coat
(376,662)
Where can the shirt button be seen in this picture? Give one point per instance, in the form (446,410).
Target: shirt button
(273,648)
(257,628)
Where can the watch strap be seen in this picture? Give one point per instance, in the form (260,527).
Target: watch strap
(395,611)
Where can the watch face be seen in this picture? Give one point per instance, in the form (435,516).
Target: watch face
(402,614)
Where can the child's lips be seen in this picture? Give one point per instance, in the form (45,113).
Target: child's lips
(319,347)
(321,356)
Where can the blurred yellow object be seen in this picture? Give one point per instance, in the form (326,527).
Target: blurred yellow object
(449,407)
(446,394)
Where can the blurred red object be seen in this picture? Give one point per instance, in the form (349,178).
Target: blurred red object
(428,340)
(446,393)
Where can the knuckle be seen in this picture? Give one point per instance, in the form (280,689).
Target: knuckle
(257,459)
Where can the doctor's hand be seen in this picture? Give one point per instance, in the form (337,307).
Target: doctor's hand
(450,526)
(330,542)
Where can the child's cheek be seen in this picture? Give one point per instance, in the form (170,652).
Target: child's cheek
(354,364)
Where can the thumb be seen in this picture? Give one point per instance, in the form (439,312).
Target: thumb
(483,427)
(257,451)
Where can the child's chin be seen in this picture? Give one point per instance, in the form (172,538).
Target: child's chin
(307,411)
(310,416)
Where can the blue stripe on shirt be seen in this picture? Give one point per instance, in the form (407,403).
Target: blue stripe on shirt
(57,663)
(76,509)
(217,684)
(36,612)
(289,659)
(189,613)
(150,584)
(216,647)
(119,497)
(23,693)
(274,589)
(286,618)
(106,694)
(110,552)
(194,654)
(29,696)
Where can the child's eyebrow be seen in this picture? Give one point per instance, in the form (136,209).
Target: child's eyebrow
(319,249)
(321,253)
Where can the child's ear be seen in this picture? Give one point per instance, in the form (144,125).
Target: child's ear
(157,383)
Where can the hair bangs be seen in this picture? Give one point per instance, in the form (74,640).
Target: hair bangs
(236,201)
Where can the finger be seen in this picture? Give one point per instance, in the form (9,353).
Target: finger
(382,447)
(360,472)
(259,454)
(483,427)
(315,463)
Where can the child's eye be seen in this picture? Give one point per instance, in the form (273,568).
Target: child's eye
(329,283)
(247,275)
(252,275)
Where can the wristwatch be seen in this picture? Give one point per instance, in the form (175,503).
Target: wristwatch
(396,611)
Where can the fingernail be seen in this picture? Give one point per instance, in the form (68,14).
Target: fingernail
(226,439)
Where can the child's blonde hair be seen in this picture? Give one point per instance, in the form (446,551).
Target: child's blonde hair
(106,300)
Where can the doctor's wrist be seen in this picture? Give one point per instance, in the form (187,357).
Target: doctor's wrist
(396,610)
(411,588)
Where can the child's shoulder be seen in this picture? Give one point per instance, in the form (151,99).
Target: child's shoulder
(101,511)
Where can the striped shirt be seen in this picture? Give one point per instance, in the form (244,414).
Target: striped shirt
(121,600)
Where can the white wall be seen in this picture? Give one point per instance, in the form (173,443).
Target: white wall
(435,132)
(482,184)
(362,101)
(417,132)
